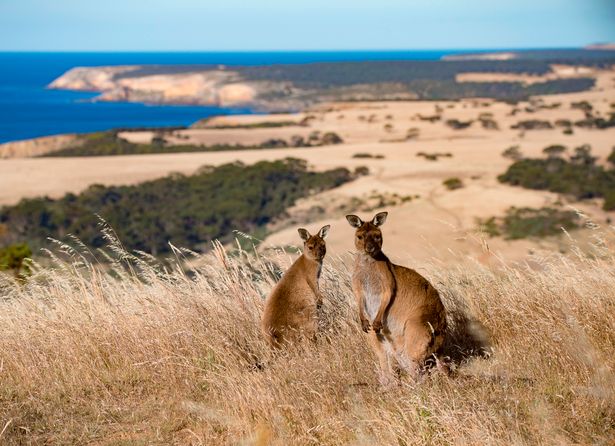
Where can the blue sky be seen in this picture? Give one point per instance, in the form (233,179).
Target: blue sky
(193,25)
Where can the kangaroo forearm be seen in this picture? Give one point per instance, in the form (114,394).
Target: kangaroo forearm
(384,304)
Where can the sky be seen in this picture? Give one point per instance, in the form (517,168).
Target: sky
(229,25)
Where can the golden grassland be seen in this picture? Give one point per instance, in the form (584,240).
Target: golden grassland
(136,353)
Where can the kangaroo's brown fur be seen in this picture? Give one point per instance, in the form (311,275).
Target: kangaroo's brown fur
(290,309)
(402,309)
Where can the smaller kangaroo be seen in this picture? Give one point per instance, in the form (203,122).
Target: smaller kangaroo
(403,309)
(290,309)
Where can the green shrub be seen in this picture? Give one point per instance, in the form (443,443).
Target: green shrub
(532,124)
(528,222)
(330,138)
(12,258)
(367,155)
(513,153)
(519,223)
(435,155)
(554,151)
(456,124)
(412,133)
(582,105)
(361,171)
(453,183)
(579,176)
(489,226)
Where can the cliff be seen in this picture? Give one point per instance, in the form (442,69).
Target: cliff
(35,147)
(134,84)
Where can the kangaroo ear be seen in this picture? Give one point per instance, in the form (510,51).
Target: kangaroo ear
(304,234)
(380,218)
(354,221)
(324,231)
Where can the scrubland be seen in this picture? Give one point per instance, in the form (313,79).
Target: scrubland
(132,351)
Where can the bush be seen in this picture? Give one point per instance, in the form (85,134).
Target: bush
(532,124)
(361,171)
(513,153)
(519,223)
(554,151)
(528,222)
(563,123)
(487,121)
(456,124)
(367,155)
(582,105)
(12,258)
(453,183)
(331,138)
(579,176)
(434,156)
(489,226)
(412,133)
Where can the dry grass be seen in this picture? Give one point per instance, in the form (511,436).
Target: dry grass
(146,355)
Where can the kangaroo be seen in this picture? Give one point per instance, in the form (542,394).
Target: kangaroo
(290,309)
(405,313)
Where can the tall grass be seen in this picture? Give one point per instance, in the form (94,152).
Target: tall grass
(135,352)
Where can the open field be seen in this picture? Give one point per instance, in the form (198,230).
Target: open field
(153,357)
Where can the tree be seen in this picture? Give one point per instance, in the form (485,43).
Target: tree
(582,155)
(611,158)
(554,151)
(513,153)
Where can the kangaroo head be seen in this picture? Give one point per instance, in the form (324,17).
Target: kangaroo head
(368,236)
(314,246)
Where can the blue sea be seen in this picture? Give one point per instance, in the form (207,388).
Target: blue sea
(28,109)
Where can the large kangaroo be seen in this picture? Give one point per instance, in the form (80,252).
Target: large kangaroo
(400,306)
(290,309)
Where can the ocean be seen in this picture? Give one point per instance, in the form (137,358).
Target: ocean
(29,110)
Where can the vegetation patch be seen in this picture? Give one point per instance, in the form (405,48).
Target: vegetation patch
(596,122)
(532,124)
(456,124)
(519,223)
(434,156)
(513,153)
(13,258)
(189,211)
(204,124)
(453,183)
(578,176)
(368,155)
(487,122)
(110,144)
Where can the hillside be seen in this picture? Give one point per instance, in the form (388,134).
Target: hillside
(188,211)
(150,354)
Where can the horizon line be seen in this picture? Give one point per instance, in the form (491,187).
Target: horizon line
(483,49)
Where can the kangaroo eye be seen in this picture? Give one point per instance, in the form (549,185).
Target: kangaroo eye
(360,237)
